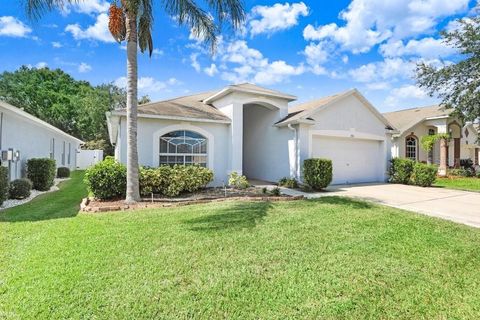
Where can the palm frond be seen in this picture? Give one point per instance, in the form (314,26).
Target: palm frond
(36,8)
(200,22)
(231,10)
(145,25)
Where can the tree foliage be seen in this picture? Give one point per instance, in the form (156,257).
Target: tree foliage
(73,106)
(457,84)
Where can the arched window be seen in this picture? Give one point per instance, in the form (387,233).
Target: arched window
(411,147)
(183,147)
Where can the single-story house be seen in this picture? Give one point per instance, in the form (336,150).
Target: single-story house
(23,136)
(413,124)
(251,130)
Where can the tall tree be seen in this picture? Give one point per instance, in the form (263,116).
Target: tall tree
(132,20)
(457,84)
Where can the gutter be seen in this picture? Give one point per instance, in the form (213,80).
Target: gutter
(295,151)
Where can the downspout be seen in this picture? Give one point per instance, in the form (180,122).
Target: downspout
(295,149)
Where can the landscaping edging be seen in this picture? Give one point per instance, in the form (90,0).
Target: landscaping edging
(87,206)
(10,203)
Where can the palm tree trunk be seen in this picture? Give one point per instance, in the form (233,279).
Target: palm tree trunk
(133,193)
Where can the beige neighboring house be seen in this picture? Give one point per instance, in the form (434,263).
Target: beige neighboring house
(413,124)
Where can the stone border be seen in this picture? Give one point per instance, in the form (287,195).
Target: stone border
(10,203)
(86,207)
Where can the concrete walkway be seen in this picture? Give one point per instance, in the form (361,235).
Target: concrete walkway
(458,206)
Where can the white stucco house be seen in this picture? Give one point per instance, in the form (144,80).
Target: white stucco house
(29,137)
(413,124)
(251,130)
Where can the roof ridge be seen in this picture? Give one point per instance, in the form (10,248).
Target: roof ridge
(413,108)
(180,97)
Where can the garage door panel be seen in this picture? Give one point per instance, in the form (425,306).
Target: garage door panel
(354,160)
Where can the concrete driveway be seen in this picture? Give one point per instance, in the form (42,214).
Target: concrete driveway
(458,206)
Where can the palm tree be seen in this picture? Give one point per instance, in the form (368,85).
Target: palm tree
(132,20)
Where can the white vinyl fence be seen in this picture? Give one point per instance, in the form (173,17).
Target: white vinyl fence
(87,158)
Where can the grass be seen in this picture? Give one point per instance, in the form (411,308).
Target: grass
(328,258)
(459,183)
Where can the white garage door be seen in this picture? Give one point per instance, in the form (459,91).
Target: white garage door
(354,160)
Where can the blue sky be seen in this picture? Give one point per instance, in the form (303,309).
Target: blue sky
(309,49)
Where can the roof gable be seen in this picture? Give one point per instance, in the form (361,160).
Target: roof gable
(305,110)
(405,119)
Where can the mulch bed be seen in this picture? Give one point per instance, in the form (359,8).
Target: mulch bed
(202,196)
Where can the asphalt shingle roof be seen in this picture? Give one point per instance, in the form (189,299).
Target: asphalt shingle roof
(405,119)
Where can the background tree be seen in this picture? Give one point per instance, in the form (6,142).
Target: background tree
(74,106)
(144,99)
(132,20)
(458,84)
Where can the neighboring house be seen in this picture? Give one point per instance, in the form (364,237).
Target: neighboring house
(251,130)
(30,137)
(413,124)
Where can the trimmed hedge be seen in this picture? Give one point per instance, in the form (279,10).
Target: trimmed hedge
(106,179)
(20,189)
(3,184)
(63,172)
(172,181)
(424,175)
(41,171)
(401,170)
(317,173)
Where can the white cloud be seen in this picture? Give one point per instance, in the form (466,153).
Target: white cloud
(12,27)
(98,31)
(87,7)
(157,52)
(270,19)
(194,62)
(41,65)
(242,63)
(370,22)
(386,70)
(84,67)
(406,93)
(212,70)
(316,55)
(148,85)
(56,44)
(427,48)
(276,72)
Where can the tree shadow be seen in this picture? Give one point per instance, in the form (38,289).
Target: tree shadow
(343,201)
(240,215)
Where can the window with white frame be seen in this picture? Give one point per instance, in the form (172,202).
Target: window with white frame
(411,148)
(183,147)
(63,154)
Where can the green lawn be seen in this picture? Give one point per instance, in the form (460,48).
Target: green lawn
(328,258)
(468,184)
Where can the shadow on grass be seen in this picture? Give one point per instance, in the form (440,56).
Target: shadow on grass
(238,216)
(343,201)
(64,203)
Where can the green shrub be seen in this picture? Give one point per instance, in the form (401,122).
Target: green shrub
(276,192)
(20,189)
(3,184)
(317,173)
(401,170)
(41,171)
(107,179)
(63,172)
(264,190)
(171,181)
(461,172)
(237,181)
(424,175)
(291,183)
